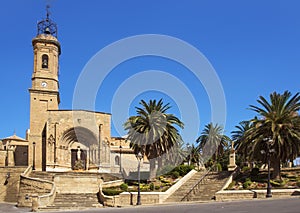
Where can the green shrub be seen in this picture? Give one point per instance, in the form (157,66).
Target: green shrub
(182,169)
(247,179)
(218,167)
(124,187)
(165,180)
(275,183)
(245,169)
(247,184)
(111,191)
(254,172)
(144,187)
(231,185)
(175,174)
(151,186)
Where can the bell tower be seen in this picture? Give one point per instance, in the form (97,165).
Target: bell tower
(44,92)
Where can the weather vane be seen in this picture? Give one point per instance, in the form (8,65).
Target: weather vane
(48,12)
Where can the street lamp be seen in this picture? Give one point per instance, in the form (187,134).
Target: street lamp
(120,159)
(139,157)
(33,156)
(268,152)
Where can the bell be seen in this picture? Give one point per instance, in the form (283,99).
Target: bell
(47,30)
(45,64)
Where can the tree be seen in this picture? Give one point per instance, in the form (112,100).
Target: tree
(212,142)
(153,131)
(238,135)
(193,155)
(279,121)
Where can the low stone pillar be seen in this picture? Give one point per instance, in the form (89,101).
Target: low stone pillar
(35,203)
(232,165)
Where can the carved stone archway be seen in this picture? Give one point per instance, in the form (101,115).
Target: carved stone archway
(78,143)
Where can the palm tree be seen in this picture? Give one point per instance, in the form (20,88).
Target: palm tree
(193,155)
(212,142)
(152,131)
(238,135)
(280,123)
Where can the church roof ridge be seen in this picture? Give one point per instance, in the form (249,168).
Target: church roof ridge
(14,137)
(77,110)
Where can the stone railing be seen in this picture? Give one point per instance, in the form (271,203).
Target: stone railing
(35,192)
(113,183)
(130,198)
(177,185)
(111,201)
(27,171)
(231,177)
(195,187)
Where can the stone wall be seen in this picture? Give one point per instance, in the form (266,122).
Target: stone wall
(229,195)
(73,184)
(3,154)
(32,187)
(9,183)
(130,198)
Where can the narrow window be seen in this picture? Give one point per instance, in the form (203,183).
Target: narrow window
(45,59)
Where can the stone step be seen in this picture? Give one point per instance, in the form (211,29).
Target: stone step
(73,202)
(84,199)
(212,183)
(42,175)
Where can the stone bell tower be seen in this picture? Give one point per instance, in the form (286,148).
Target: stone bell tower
(44,92)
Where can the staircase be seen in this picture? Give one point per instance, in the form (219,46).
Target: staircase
(184,189)
(213,183)
(73,202)
(210,184)
(83,186)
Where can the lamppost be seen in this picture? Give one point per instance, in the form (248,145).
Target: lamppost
(268,152)
(120,159)
(139,157)
(33,156)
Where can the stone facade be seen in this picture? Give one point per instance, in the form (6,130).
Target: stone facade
(13,151)
(70,135)
(62,140)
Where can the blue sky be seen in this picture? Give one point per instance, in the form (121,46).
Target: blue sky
(253,46)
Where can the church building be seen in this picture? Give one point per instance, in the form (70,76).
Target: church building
(62,140)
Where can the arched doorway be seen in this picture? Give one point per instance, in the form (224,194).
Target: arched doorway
(80,142)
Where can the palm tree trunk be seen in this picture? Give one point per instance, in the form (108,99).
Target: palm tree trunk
(276,168)
(153,169)
(160,162)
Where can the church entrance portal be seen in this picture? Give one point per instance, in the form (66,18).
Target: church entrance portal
(83,146)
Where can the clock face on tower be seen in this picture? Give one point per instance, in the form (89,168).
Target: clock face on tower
(44,84)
